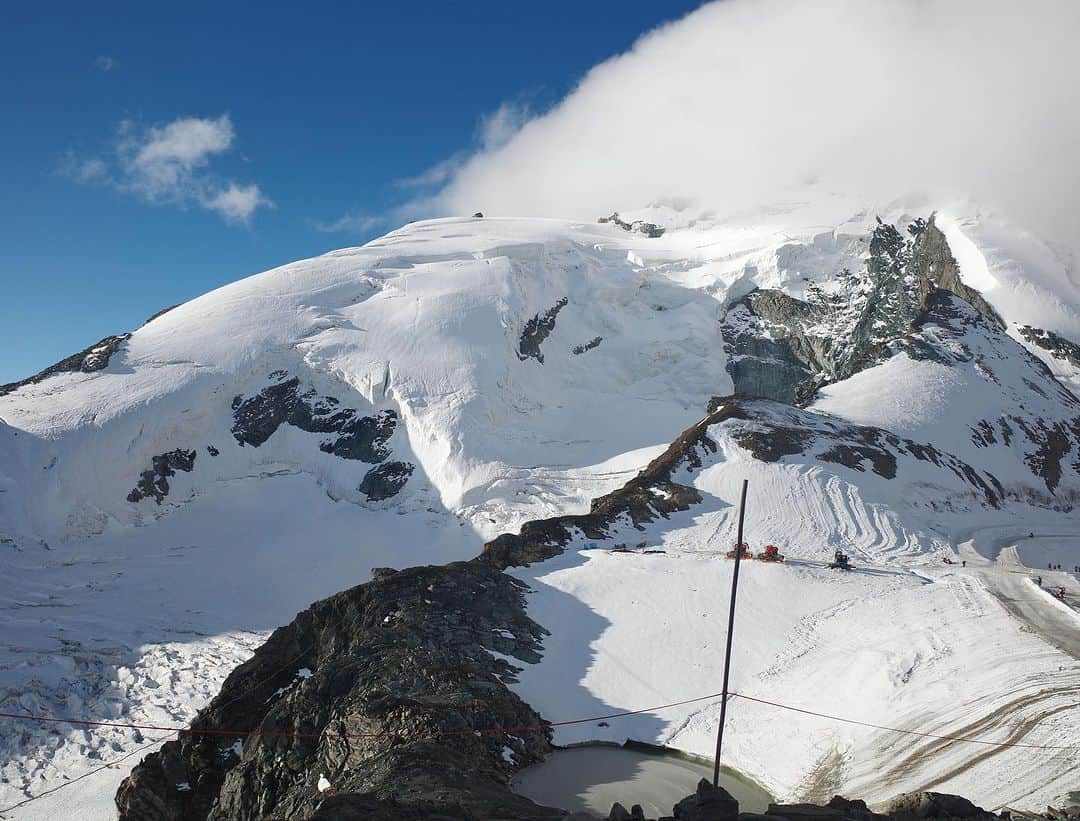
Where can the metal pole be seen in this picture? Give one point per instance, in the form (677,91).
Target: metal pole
(730,631)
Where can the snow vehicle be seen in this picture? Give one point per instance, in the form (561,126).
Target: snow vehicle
(743,551)
(1058,593)
(841,561)
(770,554)
(620,548)
(947,560)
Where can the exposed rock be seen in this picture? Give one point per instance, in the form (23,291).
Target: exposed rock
(94,358)
(577,350)
(784,348)
(350,435)
(935,268)
(154,483)
(385,480)
(536,330)
(1057,345)
(391,690)
(708,803)
(162,312)
(649,229)
(934,805)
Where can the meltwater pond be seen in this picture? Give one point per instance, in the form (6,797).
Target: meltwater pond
(592,778)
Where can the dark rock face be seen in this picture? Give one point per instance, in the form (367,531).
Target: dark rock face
(708,803)
(387,690)
(94,358)
(162,312)
(1059,346)
(649,229)
(154,483)
(776,431)
(578,350)
(385,480)
(536,330)
(783,348)
(935,805)
(349,435)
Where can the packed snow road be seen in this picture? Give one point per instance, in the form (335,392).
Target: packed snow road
(1014,586)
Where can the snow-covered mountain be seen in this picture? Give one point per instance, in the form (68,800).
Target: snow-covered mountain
(168,496)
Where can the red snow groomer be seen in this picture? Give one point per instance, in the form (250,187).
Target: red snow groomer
(742,551)
(771,554)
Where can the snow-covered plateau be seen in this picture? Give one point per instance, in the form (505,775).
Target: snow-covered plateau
(175,494)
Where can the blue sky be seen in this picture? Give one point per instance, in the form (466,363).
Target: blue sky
(284,123)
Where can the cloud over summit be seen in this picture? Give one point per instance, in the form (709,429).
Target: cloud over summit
(743,101)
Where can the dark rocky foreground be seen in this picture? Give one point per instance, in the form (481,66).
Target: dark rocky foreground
(709,803)
(386,692)
(390,701)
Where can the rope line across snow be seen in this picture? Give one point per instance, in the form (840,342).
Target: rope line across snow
(238,733)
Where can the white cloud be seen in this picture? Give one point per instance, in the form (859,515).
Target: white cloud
(89,170)
(493,131)
(351,223)
(161,160)
(104,63)
(236,203)
(497,128)
(438,174)
(169,164)
(742,100)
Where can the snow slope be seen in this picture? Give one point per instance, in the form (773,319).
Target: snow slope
(477,339)
(904,642)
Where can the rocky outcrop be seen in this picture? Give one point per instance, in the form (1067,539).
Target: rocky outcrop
(392,696)
(1058,346)
(649,229)
(784,348)
(578,350)
(154,483)
(536,330)
(348,434)
(386,480)
(709,803)
(94,358)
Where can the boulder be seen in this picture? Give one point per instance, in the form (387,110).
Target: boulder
(934,805)
(708,803)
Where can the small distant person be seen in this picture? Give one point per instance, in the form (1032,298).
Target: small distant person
(963,563)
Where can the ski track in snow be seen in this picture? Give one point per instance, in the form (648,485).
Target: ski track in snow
(136,613)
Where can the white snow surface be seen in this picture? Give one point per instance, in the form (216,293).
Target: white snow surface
(136,611)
